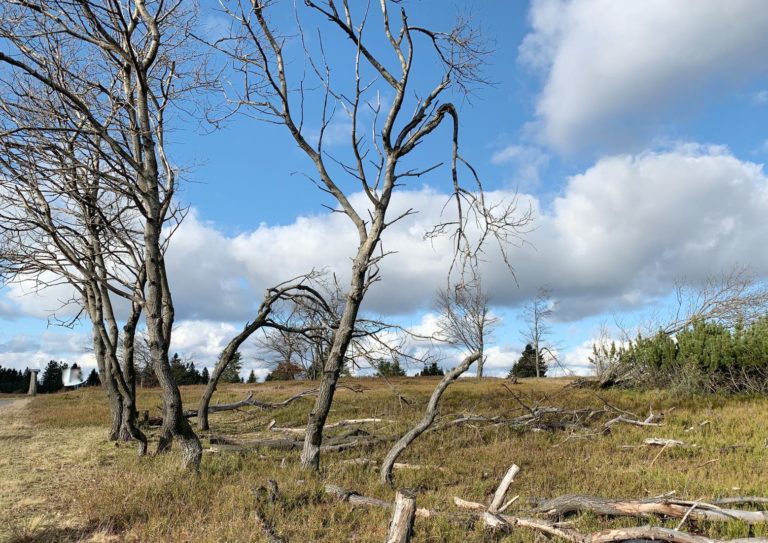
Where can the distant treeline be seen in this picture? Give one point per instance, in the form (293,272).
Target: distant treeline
(51,379)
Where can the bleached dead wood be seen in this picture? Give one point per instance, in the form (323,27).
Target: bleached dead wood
(354,498)
(666,507)
(500,521)
(662,442)
(626,420)
(501,491)
(340,443)
(248,401)
(401,526)
(339,424)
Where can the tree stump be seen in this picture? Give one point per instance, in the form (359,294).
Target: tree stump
(401,527)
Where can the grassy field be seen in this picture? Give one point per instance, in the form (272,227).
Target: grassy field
(60,480)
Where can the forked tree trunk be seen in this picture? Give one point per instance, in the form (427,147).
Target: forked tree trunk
(108,382)
(429,417)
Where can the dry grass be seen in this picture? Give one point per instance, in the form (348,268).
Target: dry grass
(112,495)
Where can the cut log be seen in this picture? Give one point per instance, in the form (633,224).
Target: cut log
(401,526)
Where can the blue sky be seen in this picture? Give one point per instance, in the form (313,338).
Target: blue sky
(635,130)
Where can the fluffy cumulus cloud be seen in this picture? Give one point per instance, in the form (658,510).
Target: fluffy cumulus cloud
(614,69)
(616,238)
(28,351)
(625,229)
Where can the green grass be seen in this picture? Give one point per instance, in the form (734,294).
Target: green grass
(122,498)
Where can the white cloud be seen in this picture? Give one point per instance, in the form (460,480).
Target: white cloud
(615,238)
(526,162)
(613,70)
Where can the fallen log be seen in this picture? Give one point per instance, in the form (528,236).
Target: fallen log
(496,521)
(576,503)
(339,424)
(662,442)
(640,533)
(349,440)
(248,401)
(354,498)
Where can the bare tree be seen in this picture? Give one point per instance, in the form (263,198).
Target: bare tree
(295,292)
(536,315)
(465,318)
(117,69)
(276,92)
(60,224)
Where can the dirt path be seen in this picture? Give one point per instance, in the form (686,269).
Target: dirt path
(38,468)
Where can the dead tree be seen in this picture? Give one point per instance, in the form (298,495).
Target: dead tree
(117,69)
(429,417)
(464,318)
(731,298)
(536,315)
(277,90)
(295,292)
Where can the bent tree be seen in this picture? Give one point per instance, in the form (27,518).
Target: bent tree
(380,157)
(118,68)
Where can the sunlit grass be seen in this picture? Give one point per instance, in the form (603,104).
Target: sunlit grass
(116,495)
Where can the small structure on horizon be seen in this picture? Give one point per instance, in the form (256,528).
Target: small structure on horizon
(72,377)
(32,382)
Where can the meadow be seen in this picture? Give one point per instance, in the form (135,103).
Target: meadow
(61,480)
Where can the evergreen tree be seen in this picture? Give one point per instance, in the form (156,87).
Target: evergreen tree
(390,369)
(93,379)
(431,370)
(178,369)
(231,373)
(526,364)
(12,380)
(251,378)
(53,378)
(204,376)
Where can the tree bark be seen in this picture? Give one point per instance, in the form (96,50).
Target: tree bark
(427,420)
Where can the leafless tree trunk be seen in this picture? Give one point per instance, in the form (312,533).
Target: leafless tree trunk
(271,92)
(429,417)
(536,315)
